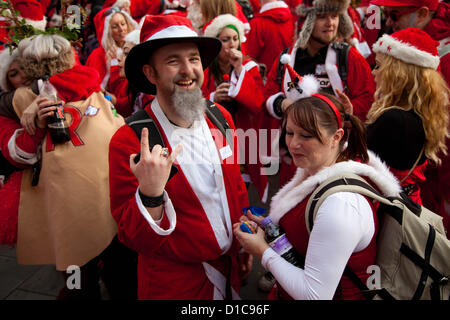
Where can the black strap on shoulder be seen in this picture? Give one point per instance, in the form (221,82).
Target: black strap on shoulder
(342,50)
(280,67)
(216,116)
(140,120)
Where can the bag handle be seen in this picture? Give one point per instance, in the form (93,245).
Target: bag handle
(345,182)
(414,165)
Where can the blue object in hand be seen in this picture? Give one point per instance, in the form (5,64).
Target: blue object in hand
(256,211)
(246,226)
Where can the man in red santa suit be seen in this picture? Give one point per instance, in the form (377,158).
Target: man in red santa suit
(433,17)
(181,227)
(271,31)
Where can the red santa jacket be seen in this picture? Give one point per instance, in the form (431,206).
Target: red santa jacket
(182,264)
(119,87)
(439,29)
(272,31)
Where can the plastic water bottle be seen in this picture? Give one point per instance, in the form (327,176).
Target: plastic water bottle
(278,241)
(56,123)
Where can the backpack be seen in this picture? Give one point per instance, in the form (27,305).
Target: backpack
(342,49)
(142,119)
(247,9)
(413,252)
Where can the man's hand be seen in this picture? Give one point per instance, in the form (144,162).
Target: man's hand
(153,169)
(345,100)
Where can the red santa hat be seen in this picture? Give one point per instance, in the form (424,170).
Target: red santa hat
(311,8)
(410,45)
(32,12)
(295,86)
(430,4)
(161,30)
(214,27)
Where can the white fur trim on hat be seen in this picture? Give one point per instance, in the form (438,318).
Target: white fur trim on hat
(405,52)
(218,23)
(106,30)
(37,24)
(133,36)
(5,61)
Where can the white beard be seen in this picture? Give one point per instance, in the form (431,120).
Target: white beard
(189,105)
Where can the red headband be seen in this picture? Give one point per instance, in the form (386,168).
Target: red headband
(332,106)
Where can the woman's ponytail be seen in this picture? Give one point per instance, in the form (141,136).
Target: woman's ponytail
(354,143)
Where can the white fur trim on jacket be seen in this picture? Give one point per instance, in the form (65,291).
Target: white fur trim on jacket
(405,52)
(273,5)
(218,23)
(237,79)
(300,186)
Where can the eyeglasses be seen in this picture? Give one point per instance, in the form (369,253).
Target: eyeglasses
(395,15)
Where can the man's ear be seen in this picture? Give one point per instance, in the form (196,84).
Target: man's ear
(149,72)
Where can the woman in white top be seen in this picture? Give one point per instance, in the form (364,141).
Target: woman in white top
(323,142)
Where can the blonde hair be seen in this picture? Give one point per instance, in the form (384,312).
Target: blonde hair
(410,87)
(45,55)
(213,8)
(109,41)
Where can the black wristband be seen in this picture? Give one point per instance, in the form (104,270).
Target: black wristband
(277,106)
(151,202)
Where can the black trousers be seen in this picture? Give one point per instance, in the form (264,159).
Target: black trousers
(116,266)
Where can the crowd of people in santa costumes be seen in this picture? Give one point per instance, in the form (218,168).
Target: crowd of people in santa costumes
(334,85)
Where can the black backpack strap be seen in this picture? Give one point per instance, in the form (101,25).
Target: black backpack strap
(216,116)
(280,67)
(342,50)
(140,120)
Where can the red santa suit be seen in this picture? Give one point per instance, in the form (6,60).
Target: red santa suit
(190,252)
(358,38)
(265,42)
(344,233)
(119,87)
(247,91)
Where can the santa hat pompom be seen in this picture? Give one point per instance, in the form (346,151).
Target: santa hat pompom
(297,87)
(285,58)
(310,85)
